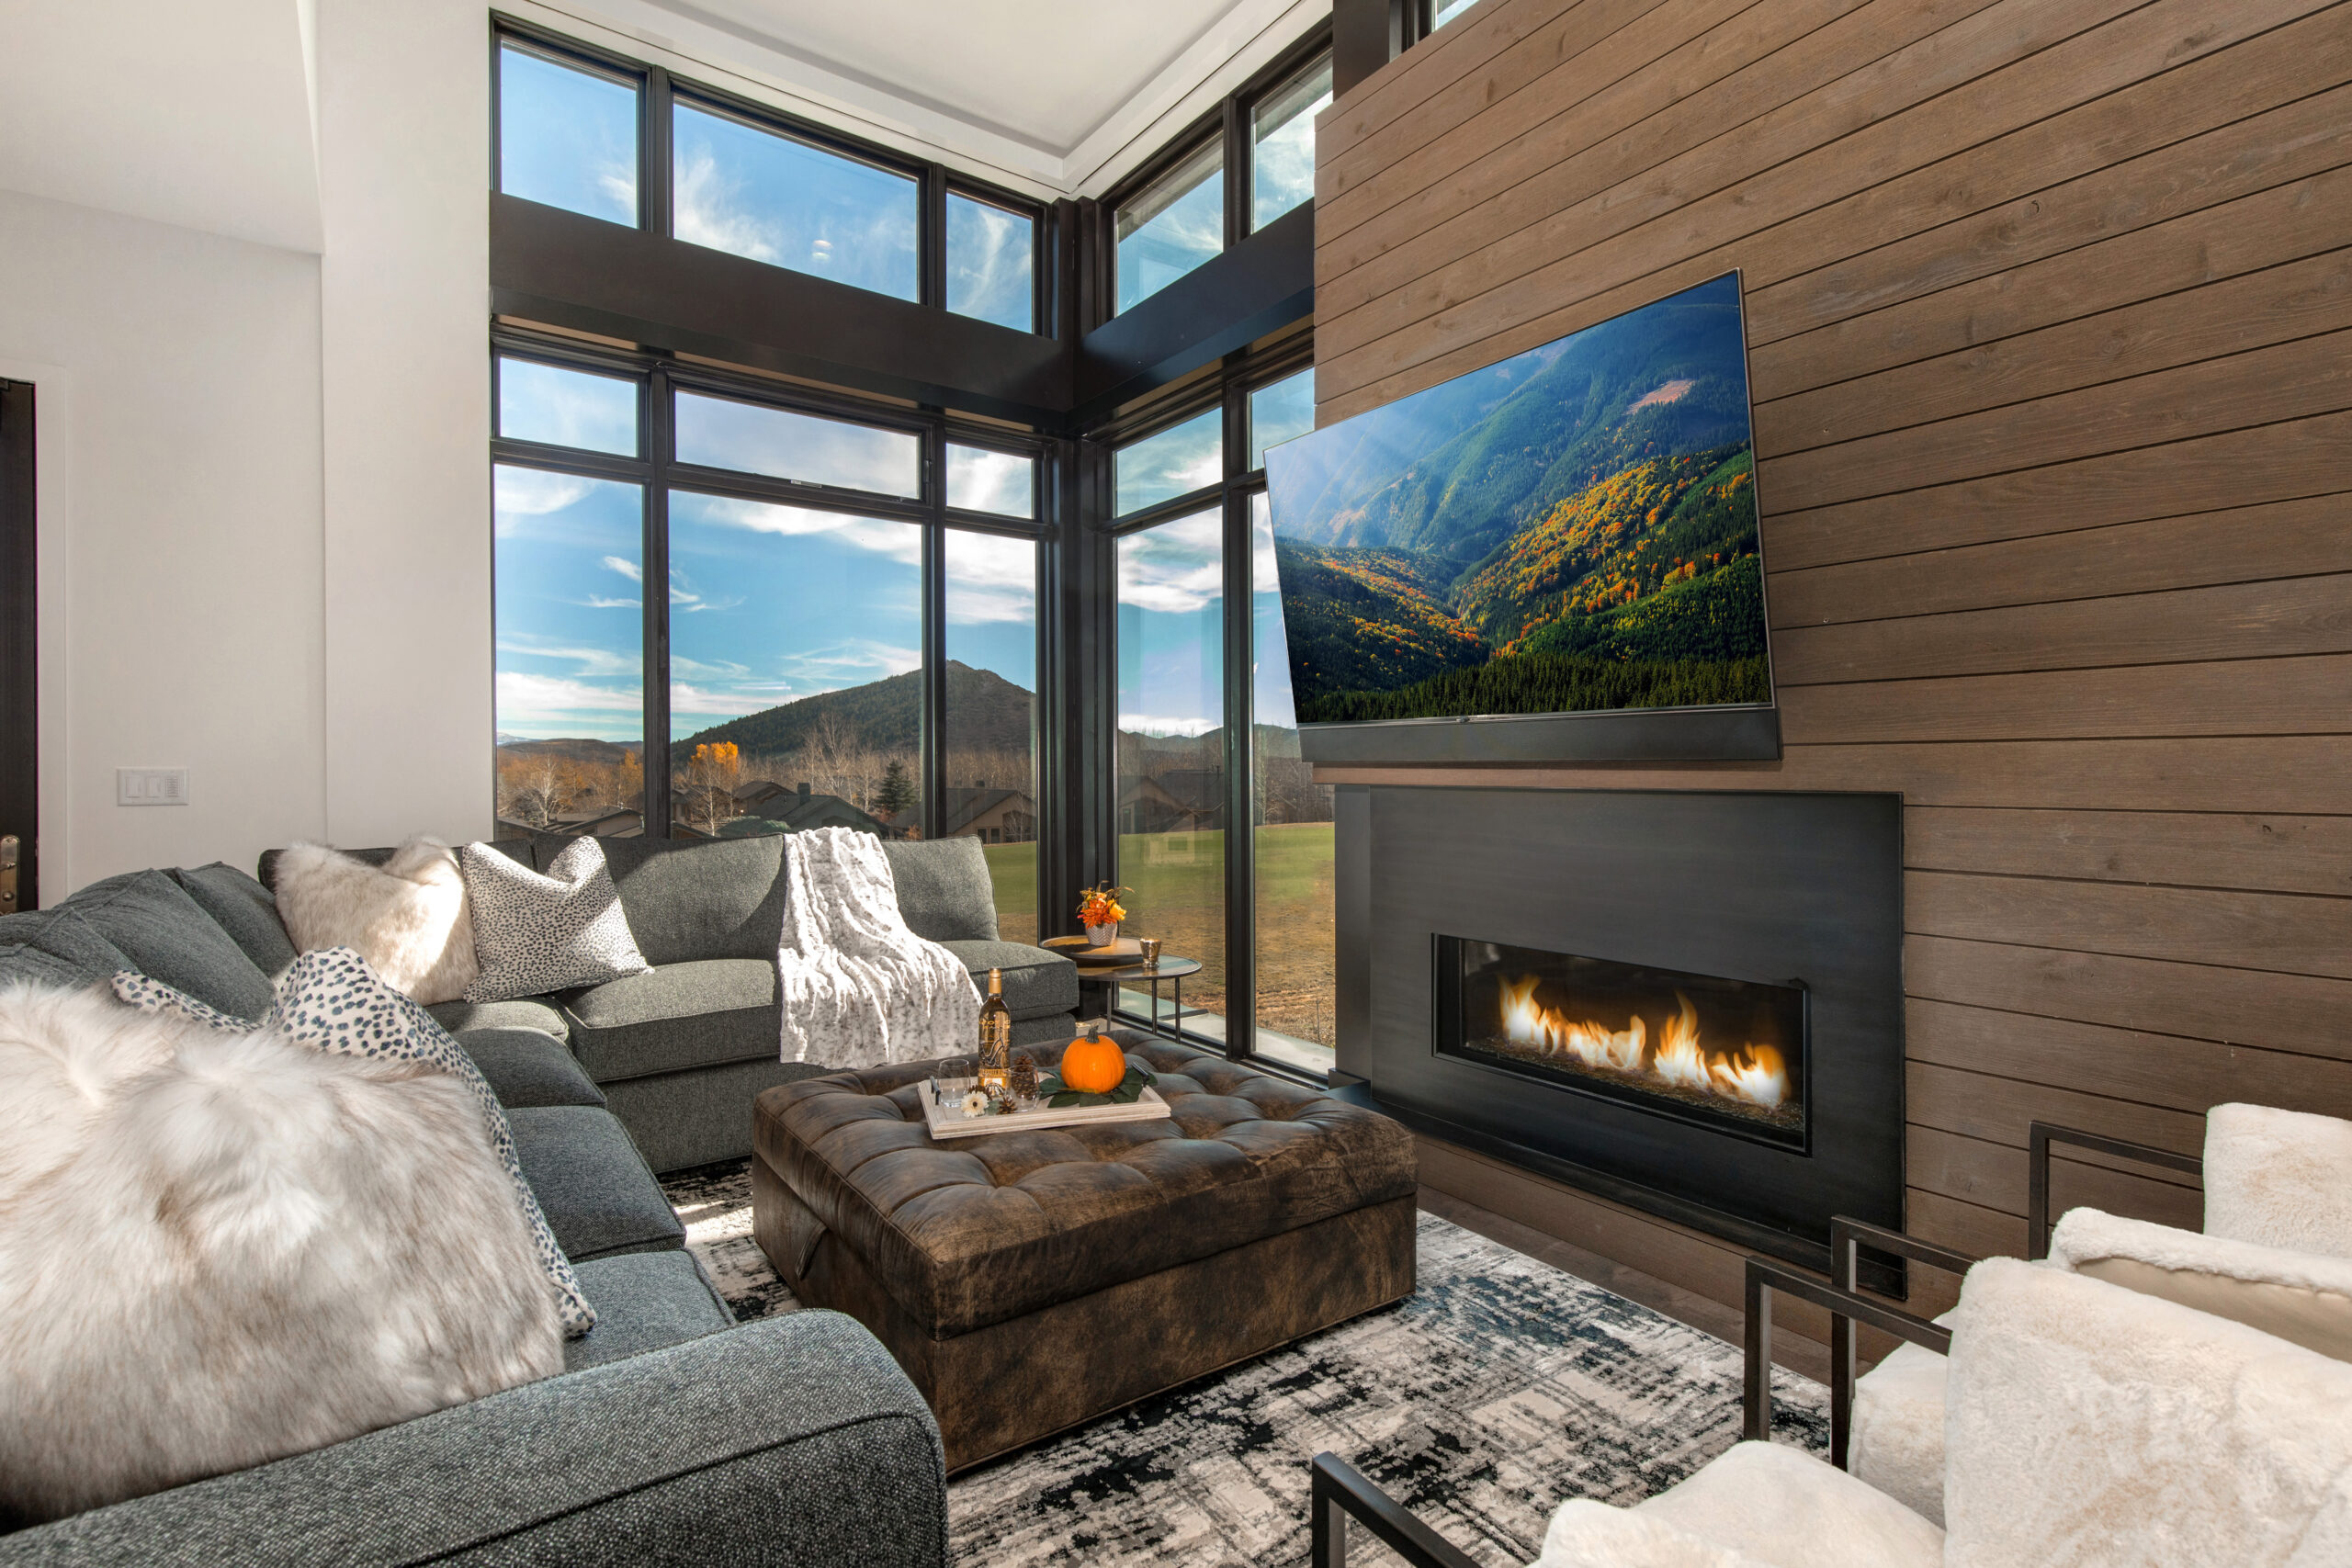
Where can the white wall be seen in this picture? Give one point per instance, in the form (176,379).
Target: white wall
(265,498)
(181,551)
(404,147)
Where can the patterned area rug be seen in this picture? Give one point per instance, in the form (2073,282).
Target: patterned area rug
(1503,1387)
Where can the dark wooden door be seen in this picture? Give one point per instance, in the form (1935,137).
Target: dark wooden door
(19,726)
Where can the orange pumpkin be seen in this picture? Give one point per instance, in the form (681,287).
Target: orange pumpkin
(1093,1066)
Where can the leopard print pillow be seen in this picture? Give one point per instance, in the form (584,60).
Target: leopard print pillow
(537,932)
(330,998)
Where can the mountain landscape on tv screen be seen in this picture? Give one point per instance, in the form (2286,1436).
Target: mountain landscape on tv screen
(1571,529)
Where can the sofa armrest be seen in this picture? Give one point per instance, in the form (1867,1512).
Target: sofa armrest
(793,1439)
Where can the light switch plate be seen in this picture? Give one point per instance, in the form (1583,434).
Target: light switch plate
(151,787)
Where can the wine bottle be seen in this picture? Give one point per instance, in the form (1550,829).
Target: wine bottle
(996,1035)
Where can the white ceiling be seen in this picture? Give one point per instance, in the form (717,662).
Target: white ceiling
(199,115)
(1055,98)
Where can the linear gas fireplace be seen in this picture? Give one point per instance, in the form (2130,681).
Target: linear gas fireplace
(1723,1053)
(1604,986)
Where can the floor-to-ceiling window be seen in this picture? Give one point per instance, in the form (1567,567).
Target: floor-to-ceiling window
(732,586)
(1194,742)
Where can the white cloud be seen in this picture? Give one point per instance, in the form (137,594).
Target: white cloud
(705,212)
(591,660)
(1175,569)
(1166,724)
(719,432)
(527,699)
(899,541)
(598,602)
(981,481)
(534,492)
(991,579)
(626,568)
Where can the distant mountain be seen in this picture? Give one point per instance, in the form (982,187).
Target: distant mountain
(1659,521)
(985,712)
(1366,618)
(1456,470)
(604,753)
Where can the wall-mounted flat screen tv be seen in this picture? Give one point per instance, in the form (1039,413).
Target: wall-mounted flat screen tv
(1553,558)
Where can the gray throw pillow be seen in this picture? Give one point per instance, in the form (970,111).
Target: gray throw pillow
(330,998)
(537,932)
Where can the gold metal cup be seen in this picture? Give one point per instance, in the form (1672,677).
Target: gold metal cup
(1150,946)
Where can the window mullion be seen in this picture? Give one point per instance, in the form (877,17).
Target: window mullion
(1238,175)
(655,142)
(657,608)
(931,238)
(1240,890)
(933,814)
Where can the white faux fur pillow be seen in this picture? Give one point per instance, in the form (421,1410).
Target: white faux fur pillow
(408,917)
(218,1249)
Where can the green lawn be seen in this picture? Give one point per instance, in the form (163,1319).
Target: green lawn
(1178,882)
(1013,869)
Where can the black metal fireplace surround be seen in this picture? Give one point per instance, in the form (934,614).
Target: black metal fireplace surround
(1689,1002)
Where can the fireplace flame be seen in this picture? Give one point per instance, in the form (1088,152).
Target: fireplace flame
(1751,1072)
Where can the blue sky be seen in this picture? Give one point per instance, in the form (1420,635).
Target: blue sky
(991,253)
(744,190)
(566,138)
(1281,175)
(570,607)
(768,603)
(1160,244)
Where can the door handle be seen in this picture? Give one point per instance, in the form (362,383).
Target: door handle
(11,849)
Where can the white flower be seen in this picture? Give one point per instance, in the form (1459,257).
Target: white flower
(975,1103)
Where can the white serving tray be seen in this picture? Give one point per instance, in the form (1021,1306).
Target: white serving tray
(949,1122)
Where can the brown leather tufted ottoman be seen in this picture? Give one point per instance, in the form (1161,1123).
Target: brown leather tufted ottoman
(1028,1281)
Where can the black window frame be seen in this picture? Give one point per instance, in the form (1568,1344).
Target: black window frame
(656,471)
(659,90)
(1227,389)
(1228,124)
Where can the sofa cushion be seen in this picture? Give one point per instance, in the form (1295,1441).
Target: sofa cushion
(679,1015)
(943,888)
(243,908)
(526,1067)
(521,1013)
(690,898)
(22,961)
(590,1182)
(644,1301)
(1037,984)
(70,942)
(168,936)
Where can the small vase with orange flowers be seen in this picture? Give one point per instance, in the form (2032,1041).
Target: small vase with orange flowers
(1093,1071)
(1100,912)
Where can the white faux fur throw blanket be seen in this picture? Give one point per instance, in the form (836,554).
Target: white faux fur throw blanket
(2278,1178)
(2089,1425)
(858,989)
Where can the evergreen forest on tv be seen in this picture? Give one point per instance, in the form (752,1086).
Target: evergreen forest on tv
(1569,530)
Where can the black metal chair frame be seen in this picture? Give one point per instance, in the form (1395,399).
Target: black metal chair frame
(1337,1491)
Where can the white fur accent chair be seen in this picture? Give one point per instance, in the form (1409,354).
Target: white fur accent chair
(2087,1425)
(2276,1253)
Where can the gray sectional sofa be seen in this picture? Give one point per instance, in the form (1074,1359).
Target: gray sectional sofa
(681,1051)
(673,1434)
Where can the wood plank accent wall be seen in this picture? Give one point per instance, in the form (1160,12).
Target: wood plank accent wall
(2049,315)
